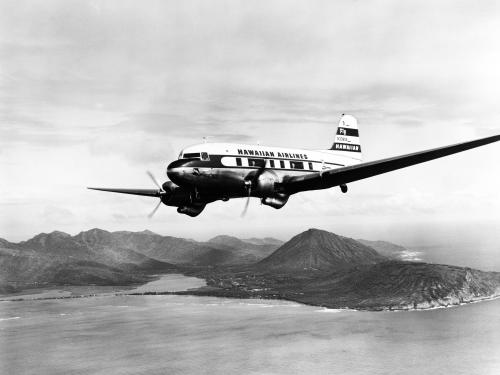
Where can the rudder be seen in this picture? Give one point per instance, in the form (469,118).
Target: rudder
(347,138)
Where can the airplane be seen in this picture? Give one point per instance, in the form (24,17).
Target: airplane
(208,172)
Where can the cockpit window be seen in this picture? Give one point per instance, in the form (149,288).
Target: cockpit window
(204,156)
(191,155)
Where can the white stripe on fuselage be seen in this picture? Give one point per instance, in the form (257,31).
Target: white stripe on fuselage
(259,151)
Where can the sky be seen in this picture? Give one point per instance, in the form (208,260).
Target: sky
(94,93)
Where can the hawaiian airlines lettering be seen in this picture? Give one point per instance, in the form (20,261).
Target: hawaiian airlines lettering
(271,154)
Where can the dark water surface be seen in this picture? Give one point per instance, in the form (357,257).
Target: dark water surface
(204,335)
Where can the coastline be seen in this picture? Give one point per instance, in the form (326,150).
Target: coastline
(158,287)
(275,298)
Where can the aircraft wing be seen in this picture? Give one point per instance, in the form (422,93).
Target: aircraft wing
(344,175)
(144,192)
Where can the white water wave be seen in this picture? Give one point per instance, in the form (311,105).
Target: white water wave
(11,318)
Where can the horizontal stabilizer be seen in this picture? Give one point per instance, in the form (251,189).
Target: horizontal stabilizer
(144,192)
(335,177)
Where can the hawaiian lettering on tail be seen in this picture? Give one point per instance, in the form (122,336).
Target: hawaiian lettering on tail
(347,137)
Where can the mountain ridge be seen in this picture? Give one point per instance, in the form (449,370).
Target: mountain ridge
(314,267)
(108,257)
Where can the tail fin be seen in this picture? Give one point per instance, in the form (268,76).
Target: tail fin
(347,138)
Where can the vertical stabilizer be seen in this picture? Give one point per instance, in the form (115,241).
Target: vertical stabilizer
(347,138)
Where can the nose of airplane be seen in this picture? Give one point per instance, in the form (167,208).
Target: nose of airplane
(175,171)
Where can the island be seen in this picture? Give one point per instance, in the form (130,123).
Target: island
(315,267)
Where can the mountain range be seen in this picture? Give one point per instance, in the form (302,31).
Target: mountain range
(100,257)
(315,267)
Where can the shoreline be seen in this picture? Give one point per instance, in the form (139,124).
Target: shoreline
(345,308)
(275,298)
(155,287)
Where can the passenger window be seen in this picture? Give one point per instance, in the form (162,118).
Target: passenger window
(282,163)
(204,156)
(310,166)
(254,162)
(271,163)
(297,165)
(238,162)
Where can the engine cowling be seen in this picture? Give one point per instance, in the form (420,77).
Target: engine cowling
(265,184)
(175,195)
(193,210)
(182,198)
(276,201)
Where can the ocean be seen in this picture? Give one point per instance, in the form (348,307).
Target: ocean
(168,334)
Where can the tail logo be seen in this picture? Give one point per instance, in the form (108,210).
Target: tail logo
(347,147)
(347,137)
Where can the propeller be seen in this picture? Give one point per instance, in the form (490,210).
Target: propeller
(152,177)
(248,186)
(155,209)
(160,193)
(251,180)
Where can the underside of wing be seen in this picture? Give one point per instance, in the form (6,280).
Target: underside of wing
(143,192)
(357,172)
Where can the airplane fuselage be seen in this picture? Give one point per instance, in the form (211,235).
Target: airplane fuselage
(223,168)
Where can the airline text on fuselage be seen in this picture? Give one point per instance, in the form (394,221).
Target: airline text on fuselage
(271,154)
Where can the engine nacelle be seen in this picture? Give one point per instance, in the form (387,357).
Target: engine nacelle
(175,195)
(266,183)
(277,201)
(192,211)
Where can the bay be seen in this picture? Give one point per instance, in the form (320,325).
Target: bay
(168,334)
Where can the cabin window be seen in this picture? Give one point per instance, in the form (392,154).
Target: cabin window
(296,164)
(254,162)
(282,163)
(271,163)
(238,162)
(192,155)
(204,156)
(310,166)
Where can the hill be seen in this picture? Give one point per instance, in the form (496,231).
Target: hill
(95,245)
(389,285)
(229,250)
(264,241)
(57,258)
(319,250)
(233,251)
(401,285)
(25,268)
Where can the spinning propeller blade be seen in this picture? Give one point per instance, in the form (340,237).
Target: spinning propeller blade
(160,193)
(155,209)
(249,188)
(152,177)
(251,180)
